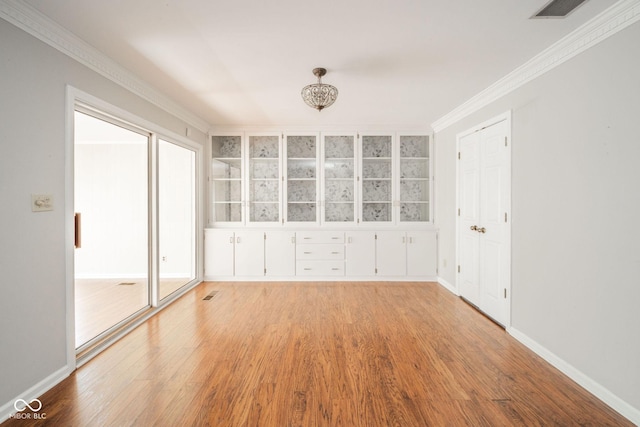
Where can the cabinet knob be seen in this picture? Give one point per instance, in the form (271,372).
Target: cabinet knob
(482,230)
(474,228)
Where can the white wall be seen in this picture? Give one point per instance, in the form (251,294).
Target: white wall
(32,160)
(575,204)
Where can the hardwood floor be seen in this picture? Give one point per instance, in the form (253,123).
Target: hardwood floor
(320,354)
(102,303)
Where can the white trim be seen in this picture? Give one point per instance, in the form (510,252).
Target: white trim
(34,392)
(298,279)
(40,26)
(448,286)
(601,27)
(593,387)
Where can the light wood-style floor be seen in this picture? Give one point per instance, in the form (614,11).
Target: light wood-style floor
(320,354)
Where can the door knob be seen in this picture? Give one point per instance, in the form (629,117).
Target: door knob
(474,228)
(482,230)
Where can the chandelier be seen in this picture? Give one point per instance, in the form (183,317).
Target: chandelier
(319,95)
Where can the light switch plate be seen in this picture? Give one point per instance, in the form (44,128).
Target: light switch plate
(41,202)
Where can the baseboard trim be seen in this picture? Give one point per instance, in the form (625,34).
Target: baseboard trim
(448,286)
(297,279)
(593,387)
(7,410)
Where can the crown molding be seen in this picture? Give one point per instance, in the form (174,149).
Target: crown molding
(38,25)
(601,27)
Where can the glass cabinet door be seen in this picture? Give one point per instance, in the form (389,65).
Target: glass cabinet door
(339,178)
(376,186)
(414,178)
(226,178)
(264,178)
(302,181)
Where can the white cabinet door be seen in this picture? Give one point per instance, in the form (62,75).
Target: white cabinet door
(391,253)
(280,253)
(360,253)
(218,252)
(421,253)
(249,249)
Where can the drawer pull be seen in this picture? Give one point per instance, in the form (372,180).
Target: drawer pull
(335,253)
(307,253)
(307,269)
(307,238)
(335,238)
(335,269)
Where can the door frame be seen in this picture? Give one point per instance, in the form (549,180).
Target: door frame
(507,117)
(74,98)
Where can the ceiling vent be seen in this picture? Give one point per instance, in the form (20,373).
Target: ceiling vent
(558,8)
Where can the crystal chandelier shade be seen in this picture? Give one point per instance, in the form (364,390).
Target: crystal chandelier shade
(319,95)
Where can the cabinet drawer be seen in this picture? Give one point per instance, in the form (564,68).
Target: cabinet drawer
(320,237)
(320,268)
(320,252)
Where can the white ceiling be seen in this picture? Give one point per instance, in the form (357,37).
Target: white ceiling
(396,63)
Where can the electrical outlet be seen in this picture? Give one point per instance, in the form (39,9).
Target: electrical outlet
(41,202)
(164,259)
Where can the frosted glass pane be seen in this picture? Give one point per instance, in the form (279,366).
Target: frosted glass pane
(226,191)
(414,168)
(301,147)
(414,190)
(264,169)
(225,212)
(301,169)
(338,147)
(303,212)
(264,146)
(264,212)
(376,212)
(226,168)
(338,169)
(414,146)
(414,212)
(376,169)
(338,212)
(301,191)
(339,191)
(226,146)
(264,191)
(376,191)
(376,146)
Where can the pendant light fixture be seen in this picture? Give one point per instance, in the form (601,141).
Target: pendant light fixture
(319,95)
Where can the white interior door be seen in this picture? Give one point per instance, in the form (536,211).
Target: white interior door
(484,245)
(469,218)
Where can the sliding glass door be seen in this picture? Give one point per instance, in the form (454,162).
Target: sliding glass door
(111,165)
(176,216)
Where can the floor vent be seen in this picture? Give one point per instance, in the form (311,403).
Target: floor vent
(126,284)
(558,8)
(211,295)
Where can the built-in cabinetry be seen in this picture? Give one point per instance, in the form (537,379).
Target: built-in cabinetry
(320,204)
(361,254)
(319,179)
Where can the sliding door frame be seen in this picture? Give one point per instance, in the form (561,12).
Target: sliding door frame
(77,99)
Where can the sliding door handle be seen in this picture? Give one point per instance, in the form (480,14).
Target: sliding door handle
(77,225)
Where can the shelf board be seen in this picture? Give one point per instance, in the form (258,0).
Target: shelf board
(264,159)
(339,202)
(377,158)
(305,159)
(375,202)
(301,179)
(414,179)
(296,202)
(264,179)
(414,158)
(339,159)
(376,179)
(255,202)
